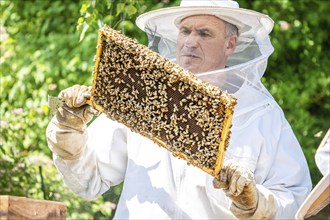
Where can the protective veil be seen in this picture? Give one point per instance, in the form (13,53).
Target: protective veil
(245,66)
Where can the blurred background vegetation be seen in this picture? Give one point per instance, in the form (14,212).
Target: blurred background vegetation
(47,46)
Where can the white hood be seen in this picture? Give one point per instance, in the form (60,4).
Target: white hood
(245,66)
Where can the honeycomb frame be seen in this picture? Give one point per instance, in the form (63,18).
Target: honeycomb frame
(161,101)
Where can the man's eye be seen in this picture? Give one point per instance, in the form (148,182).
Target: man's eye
(184,31)
(203,34)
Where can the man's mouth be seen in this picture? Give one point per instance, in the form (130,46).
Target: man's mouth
(190,55)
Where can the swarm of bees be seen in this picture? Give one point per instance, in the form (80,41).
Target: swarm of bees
(160,100)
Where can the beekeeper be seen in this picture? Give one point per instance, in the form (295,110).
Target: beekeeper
(265,173)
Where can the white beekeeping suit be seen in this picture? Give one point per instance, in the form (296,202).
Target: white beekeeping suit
(158,185)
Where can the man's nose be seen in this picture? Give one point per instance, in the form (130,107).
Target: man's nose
(191,41)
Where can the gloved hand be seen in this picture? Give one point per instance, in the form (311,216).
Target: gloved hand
(66,133)
(239,185)
(248,199)
(75,113)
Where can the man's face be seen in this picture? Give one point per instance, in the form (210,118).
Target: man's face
(202,45)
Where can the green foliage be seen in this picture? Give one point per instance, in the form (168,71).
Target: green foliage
(298,71)
(47,46)
(40,55)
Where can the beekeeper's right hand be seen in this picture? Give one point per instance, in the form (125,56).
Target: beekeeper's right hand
(66,133)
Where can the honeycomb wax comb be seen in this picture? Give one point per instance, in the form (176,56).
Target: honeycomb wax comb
(161,101)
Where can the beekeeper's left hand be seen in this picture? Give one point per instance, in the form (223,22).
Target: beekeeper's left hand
(239,185)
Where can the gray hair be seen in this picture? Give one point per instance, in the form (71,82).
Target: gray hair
(230,29)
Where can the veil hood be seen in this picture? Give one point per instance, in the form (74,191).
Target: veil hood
(245,66)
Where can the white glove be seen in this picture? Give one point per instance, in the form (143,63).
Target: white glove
(66,133)
(247,200)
